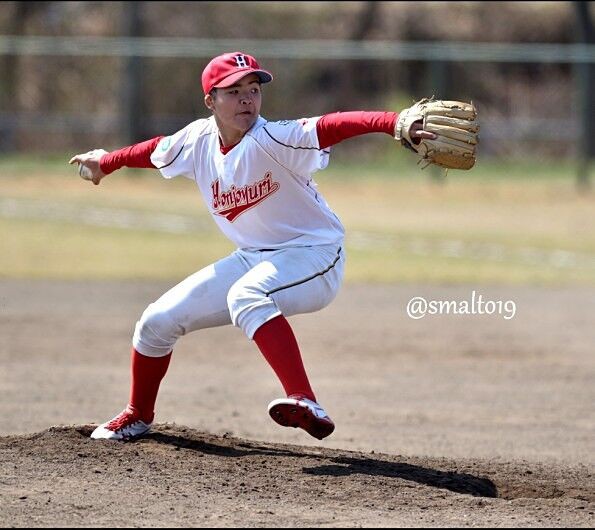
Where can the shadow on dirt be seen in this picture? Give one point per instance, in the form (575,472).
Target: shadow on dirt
(236,449)
(455,482)
(342,466)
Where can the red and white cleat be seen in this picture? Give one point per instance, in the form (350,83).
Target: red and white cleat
(303,413)
(125,426)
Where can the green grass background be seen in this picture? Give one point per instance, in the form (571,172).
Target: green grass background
(402,223)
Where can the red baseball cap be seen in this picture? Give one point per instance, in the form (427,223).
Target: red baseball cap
(227,69)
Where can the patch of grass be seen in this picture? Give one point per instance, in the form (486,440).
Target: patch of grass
(62,250)
(507,223)
(399,266)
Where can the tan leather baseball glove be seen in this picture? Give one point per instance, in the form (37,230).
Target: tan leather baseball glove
(455,125)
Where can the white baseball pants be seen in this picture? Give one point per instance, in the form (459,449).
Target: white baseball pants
(247,289)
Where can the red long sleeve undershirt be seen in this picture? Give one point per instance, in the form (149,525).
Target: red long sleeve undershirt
(338,126)
(330,128)
(137,155)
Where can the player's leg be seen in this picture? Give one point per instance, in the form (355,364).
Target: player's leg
(198,302)
(284,283)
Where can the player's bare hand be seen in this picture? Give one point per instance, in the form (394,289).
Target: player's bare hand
(88,165)
(417,133)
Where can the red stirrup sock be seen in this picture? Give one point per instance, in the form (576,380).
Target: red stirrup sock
(147,373)
(276,341)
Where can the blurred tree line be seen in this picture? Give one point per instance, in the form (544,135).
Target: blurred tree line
(82,97)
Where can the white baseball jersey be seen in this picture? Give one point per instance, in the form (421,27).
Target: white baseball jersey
(261,193)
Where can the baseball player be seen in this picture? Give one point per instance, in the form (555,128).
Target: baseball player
(255,177)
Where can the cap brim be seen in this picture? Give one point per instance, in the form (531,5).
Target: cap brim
(263,76)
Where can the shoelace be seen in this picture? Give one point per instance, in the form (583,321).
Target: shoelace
(124,419)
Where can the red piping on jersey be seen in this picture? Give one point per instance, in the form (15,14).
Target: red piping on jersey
(338,126)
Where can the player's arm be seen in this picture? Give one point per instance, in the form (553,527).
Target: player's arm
(338,126)
(96,164)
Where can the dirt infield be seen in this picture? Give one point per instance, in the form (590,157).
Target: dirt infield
(447,420)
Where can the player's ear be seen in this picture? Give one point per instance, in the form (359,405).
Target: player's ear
(210,100)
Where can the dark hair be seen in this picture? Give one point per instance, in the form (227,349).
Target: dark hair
(213,92)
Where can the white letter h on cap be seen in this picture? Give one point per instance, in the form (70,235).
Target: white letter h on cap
(241,61)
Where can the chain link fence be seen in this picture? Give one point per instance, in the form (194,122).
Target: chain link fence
(60,92)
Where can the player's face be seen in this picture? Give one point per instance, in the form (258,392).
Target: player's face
(237,107)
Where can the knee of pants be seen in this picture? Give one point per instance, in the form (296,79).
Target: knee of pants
(156,332)
(249,307)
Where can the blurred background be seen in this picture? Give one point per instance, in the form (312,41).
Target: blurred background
(81,75)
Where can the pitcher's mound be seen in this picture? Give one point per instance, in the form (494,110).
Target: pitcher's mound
(178,476)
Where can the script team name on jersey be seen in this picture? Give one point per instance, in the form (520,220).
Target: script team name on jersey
(235,201)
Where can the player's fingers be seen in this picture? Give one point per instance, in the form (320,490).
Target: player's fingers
(83,157)
(420,133)
(426,135)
